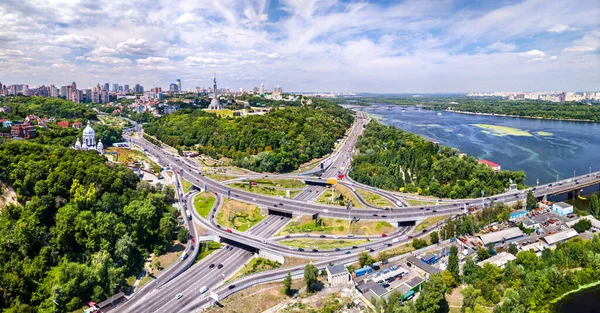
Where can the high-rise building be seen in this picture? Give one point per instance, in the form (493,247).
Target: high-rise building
(179,85)
(77,95)
(26,90)
(104,96)
(562,97)
(106,87)
(262,87)
(126,88)
(96,96)
(115,87)
(74,86)
(173,88)
(139,88)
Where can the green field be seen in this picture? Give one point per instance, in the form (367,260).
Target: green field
(325,244)
(374,199)
(238,215)
(206,249)
(264,190)
(203,202)
(281,183)
(341,197)
(430,221)
(221,113)
(256,265)
(305,224)
(186,185)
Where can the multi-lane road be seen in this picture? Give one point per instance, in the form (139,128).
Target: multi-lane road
(259,237)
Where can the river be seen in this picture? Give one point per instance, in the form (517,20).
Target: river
(585,301)
(542,149)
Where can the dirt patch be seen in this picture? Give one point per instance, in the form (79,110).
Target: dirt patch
(7,196)
(255,299)
(169,257)
(292,261)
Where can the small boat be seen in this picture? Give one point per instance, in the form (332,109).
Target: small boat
(581,198)
(439,113)
(403,111)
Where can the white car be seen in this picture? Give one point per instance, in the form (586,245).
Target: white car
(326,211)
(178,296)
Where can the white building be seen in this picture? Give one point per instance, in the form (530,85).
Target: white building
(562,208)
(338,275)
(89,141)
(499,259)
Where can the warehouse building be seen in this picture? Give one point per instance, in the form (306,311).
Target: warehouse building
(337,275)
(501,236)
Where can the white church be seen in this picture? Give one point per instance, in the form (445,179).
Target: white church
(89,141)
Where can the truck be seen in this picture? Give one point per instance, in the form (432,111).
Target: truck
(188,214)
(203,289)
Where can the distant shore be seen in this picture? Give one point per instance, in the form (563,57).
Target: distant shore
(517,116)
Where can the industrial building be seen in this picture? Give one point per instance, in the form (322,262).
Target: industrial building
(501,236)
(552,240)
(562,208)
(517,214)
(337,275)
(499,259)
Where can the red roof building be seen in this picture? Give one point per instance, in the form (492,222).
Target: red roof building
(496,167)
(77,125)
(63,124)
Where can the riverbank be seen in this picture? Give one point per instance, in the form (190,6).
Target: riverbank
(582,289)
(517,116)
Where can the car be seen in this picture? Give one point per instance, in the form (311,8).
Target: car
(351,236)
(410,237)
(281,218)
(315,250)
(371,250)
(280,203)
(428,209)
(218,226)
(354,247)
(287,236)
(301,249)
(421,208)
(231,287)
(275,205)
(178,296)
(384,216)
(434,211)
(425,230)
(383,235)
(347,252)
(211,266)
(389,245)
(385,285)
(306,235)
(326,211)
(226,247)
(375,214)
(322,236)
(228,230)
(337,249)
(220,266)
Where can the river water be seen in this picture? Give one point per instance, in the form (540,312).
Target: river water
(542,149)
(587,301)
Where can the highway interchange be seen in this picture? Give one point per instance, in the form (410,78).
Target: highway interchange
(259,237)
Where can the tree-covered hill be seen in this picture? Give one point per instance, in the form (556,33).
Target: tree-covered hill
(45,107)
(278,141)
(391,158)
(82,227)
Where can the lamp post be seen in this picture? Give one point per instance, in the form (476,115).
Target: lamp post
(573,174)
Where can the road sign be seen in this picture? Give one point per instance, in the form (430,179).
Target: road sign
(228,194)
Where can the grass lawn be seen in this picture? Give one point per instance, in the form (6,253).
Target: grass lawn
(112,121)
(219,177)
(281,183)
(172,255)
(264,190)
(255,299)
(186,185)
(146,279)
(206,249)
(203,202)
(374,199)
(305,224)
(428,222)
(398,250)
(254,266)
(131,156)
(310,243)
(419,202)
(341,197)
(130,280)
(455,300)
(238,215)
(221,113)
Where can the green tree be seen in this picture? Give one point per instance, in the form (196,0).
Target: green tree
(453,264)
(595,205)
(365,259)
(449,280)
(435,237)
(419,243)
(432,299)
(287,284)
(582,225)
(512,248)
(311,273)
(183,235)
(383,256)
(532,201)
(482,254)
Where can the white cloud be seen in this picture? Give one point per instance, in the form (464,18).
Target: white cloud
(553,58)
(579,49)
(152,60)
(10,53)
(203,60)
(104,51)
(109,60)
(71,40)
(134,46)
(559,28)
(503,47)
(587,43)
(533,53)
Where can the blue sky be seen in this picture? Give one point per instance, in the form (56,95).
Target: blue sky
(305,45)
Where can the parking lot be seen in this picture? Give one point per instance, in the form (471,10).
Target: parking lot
(543,219)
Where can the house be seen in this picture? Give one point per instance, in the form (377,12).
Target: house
(24,130)
(337,275)
(501,236)
(6,109)
(517,214)
(7,124)
(531,224)
(77,125)
(562,208)
(496,167)
(63,124)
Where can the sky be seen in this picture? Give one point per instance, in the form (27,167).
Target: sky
(373,46)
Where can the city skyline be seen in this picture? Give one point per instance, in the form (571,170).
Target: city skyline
(407,47)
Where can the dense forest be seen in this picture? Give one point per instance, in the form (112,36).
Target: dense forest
(45,107)
(257,101)
(278,141)
(83,225)
(521,108)
(527,284)
(393,159)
